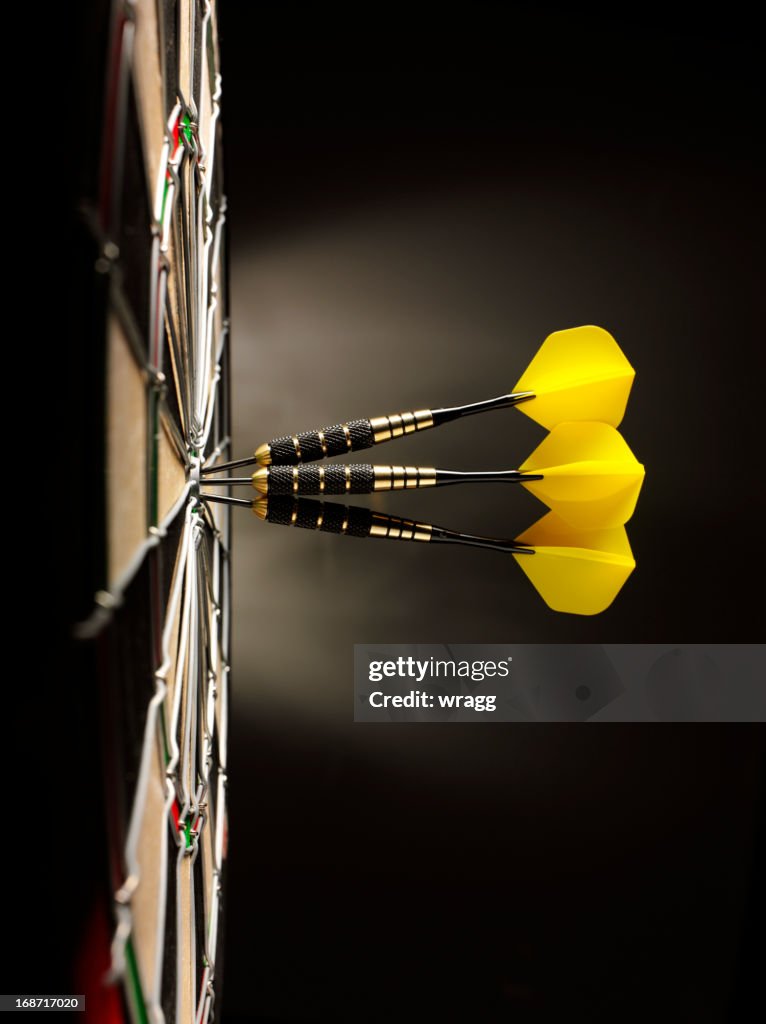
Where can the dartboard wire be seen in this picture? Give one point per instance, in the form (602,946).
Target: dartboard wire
(200,740)
(215,263)
(108,600)
(224,445)
(211,931)
(166,183)
(209,263)
(216,615)
(158,265)
(211,411)
(201,243)
(211,935)
(176,766)
(205,821)
(186,87)
(190,694)
(158,303)
(215,681)
(184,368)
(207,600)
(187,231)
(161,184)
(193,855)
(178,170)
(210,152)
(205,735)
(190,808)
(223,724)
(180,860)
(220,823)
(205,218)
(204,231)
(181,672)
(164,205)
(189,264)
(214,383)
(178,359)
(215,375)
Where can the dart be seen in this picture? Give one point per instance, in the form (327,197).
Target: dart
(577,374)
(575,571)
(585,472)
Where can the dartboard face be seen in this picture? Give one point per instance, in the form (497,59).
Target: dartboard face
(161,619)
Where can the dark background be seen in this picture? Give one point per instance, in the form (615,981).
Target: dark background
(417,198)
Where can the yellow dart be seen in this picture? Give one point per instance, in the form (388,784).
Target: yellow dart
(575,571)
(579,374)
(585,472)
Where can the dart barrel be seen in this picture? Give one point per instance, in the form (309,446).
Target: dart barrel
(340,439)
(345,519)
(282,481)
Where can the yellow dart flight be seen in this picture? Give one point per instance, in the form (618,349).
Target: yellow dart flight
(575,571)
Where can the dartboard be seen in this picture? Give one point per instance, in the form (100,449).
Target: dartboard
(160,579)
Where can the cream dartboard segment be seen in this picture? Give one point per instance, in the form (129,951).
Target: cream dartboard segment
(161,612)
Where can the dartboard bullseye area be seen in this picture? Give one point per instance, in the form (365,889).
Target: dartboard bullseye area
(160,596)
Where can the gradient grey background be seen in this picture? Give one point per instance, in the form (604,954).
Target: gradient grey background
(417,199)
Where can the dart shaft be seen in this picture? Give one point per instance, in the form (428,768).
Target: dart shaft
(474,408)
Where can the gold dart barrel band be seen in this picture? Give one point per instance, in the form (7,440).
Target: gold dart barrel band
(397,424)
(399,529)
(399,478)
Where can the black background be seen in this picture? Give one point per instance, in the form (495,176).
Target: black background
(527,872)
